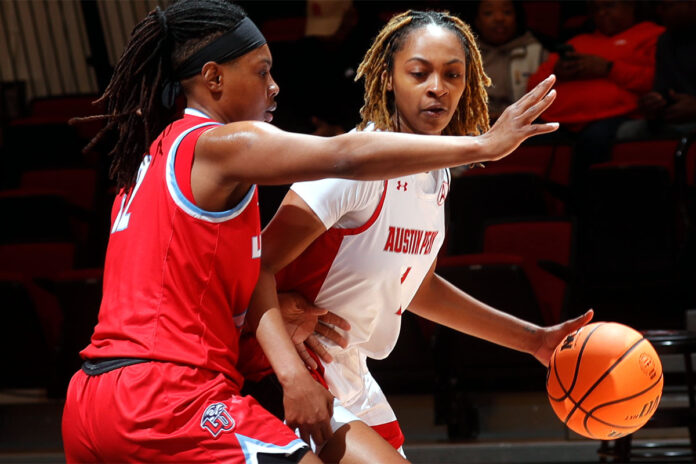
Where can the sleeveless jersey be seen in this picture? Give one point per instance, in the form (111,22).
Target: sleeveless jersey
(177,279)
(369,274)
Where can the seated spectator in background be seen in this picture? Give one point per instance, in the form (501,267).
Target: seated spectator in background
(509,51)
(670,108)
(601,76)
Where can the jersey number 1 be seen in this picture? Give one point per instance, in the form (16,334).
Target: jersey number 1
(123,217)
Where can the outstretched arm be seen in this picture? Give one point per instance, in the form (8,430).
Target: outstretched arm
(254,152)
(442,302)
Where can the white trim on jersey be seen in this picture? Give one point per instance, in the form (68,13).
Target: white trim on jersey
(195,112)
(251,448)
(180,199)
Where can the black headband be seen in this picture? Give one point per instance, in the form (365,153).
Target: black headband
(234,43)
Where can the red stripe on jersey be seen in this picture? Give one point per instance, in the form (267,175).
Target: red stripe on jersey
(306,274)
(403,277)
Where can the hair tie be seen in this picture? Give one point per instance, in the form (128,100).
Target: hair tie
(162,19)
(170,91)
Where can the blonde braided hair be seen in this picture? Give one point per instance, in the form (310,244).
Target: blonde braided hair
(471,115)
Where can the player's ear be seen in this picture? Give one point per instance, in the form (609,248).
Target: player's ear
(212,75)
(388,78)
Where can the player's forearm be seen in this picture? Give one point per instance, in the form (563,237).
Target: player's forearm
(265,318)
(259,153)
(445,304)
(369,155)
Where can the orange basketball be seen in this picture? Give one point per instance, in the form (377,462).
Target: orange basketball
(604,380)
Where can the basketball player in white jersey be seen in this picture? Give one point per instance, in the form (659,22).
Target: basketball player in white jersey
(366,250)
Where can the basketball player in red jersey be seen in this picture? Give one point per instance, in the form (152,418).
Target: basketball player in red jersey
(366,250)
(159,382)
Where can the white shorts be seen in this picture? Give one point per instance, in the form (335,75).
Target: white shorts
(352,384)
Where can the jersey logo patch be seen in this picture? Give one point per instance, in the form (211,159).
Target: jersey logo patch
(399,312)
(398,185)
(216,419)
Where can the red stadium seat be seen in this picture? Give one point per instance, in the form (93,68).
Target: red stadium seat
(537,243)
(78,186)
(646,153)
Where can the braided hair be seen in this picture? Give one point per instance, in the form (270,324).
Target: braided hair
(471,115)
(133,100)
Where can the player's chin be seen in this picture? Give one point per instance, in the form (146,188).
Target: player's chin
(430,127)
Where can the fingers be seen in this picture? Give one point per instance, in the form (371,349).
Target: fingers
(538,129)
(580,321)
(334,319)
(320,431)
(315,310)
(539,107)
(319,349)
(305,356)
(330,333)
(536,94)
(587,317)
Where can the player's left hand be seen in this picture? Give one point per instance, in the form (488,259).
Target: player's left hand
(303,320)
(552,336)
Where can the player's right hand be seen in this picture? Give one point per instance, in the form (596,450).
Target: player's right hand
(515,125)
(308,407)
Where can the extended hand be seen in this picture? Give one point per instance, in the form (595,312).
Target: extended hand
(552,336)
(514,126)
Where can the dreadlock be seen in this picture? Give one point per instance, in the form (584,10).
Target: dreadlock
(133,99)
(471,115)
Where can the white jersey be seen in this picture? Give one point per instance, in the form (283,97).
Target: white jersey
(368,272)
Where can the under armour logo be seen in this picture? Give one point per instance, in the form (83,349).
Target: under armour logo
(216,419)
(398,185)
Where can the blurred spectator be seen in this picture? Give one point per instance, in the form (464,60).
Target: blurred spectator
(601,74)
(315,74)
(509,51)
(600,78)
(670,108)
(326,17)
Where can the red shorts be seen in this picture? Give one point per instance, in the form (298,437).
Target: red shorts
(163,412)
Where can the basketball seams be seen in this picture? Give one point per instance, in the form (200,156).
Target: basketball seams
(558,379)
(602,377)
(575,373)
(577,362)
(589,413)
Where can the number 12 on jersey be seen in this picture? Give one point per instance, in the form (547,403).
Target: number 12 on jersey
(123,217)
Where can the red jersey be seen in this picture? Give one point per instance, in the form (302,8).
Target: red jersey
(177,279)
